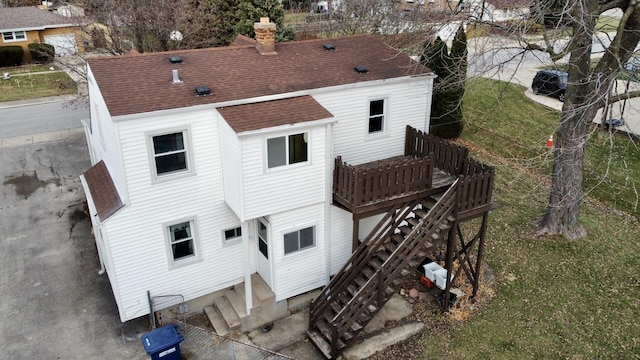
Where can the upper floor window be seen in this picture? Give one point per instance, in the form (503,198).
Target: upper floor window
(170,153)
(11,36)
(287,150)
(182,241)
(377,115)
(299,240)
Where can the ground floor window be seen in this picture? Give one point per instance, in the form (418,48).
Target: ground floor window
(10,36)
(232,235)
(182,241)
(299,240)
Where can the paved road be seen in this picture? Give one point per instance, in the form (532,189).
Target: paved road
(49,115)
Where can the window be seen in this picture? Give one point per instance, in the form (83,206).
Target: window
(376,116)
(232,235)
(182,241)
(299,240)
(287,150)
(11,36)
(170,153)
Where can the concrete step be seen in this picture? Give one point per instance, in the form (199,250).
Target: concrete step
(261,289)
(216,320)
(230,317)
(237,303)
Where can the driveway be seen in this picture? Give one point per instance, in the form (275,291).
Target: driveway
(53,302)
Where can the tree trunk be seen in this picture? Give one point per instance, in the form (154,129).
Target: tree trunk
(563,211)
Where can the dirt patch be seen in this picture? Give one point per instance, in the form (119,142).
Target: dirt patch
(26,184)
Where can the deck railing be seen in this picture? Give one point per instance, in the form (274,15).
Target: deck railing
(448,156)
(364,184)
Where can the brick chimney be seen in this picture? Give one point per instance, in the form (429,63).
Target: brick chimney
(265,36)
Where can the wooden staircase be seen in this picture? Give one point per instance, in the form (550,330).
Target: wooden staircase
(366,282)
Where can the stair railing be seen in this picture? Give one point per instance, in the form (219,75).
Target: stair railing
(374,288)
(358,260)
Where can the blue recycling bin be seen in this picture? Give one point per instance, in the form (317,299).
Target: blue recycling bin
(163,343)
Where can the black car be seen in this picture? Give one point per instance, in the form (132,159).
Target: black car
(550,82)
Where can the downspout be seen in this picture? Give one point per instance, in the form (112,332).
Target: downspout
(328,199)
(102,267)
(246,259)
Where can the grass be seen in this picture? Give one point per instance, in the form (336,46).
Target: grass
(25,69)
(520,132)
(556,299)
(36,86)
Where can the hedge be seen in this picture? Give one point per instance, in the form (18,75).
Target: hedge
(42,53)
(11,55)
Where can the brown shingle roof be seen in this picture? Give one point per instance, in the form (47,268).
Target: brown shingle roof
(143,83)
(103,191)
(28,17)
(270,113)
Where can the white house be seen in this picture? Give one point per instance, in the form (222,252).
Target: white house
(498,11)
(212,165)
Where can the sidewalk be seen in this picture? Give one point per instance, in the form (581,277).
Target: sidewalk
(40,138)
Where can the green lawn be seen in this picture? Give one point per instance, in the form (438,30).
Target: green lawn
(36,86)
(556,299)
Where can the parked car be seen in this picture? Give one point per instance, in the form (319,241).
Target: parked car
(613,122)
(550,82)
(633,65)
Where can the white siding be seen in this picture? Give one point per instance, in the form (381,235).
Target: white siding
(103,137)
(408,103)
(136,234)
(268,191)
(301,271)
(231,167)
(340,238)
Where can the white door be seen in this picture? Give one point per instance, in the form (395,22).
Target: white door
(264,265)
(63,44)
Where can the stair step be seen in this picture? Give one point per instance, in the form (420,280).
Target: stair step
(405,229)
(420,213)
(216,320)
(413,221)
(360,281)
(229,315)
(368,272)
(382,255)
(405,272)
(352,290)
(397,238)
(260,288)
(237,303)
(390,246)
(374,263)
(436,236)
(320,342)
(325,330)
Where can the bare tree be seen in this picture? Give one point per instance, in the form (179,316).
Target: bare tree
(586,92)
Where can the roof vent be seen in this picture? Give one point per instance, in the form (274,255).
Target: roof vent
(203,91)
(361,69)
(329,47)
(175,59)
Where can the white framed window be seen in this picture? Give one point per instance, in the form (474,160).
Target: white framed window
(287,150)
(13,36)
(299,240)
(232,236)
(182,242)
(377,116)
(170,153)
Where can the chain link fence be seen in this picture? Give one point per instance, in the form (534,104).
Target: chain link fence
(201,344)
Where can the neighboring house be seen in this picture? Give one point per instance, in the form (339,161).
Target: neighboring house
(213,165)
(25,25)
(499,11)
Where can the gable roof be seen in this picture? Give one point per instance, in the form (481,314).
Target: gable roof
(143,83)
(30,18)
(265,114)
(103,191)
